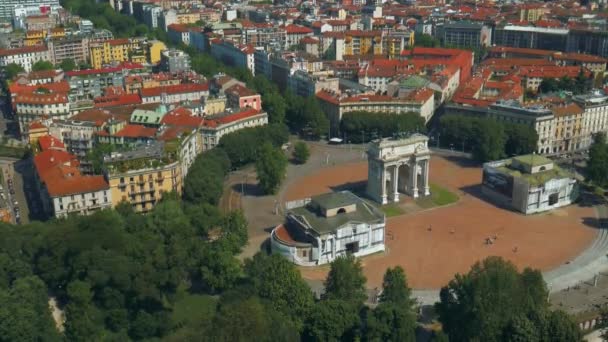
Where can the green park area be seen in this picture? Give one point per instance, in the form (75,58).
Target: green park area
(440,196)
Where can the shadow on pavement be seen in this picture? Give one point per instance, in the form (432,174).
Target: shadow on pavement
(25,169)
(248,189)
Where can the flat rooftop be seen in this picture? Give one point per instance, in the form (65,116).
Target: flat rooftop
(366,212)
(533,160)
(535,179)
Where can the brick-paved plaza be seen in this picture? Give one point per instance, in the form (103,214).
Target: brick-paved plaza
(458,232)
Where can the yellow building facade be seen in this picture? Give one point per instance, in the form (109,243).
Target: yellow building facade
(363,43)
(143,188)
(37,37)
(154,50)
(186,18)
(114,50)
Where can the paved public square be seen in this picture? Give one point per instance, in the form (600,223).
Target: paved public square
(435,244)
(458,232)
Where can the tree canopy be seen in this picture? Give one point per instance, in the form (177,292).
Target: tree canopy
(487,138)
(597,166)
(11,70)
(362,126)
(270,166)
(345,280)
(67,64)
(43,66)
(494,302)
(300,152)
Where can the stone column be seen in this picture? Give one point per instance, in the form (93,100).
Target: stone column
(425,175)
(383,196)
(395,179)
(414,178)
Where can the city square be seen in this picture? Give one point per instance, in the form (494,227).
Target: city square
(432,245)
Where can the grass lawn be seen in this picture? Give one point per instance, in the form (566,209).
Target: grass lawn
(439,197)
(192,308)
(392,210)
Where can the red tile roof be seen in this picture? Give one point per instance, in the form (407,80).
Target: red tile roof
(36,125)
(22,50)
(117,100)
(49,142)
(240,91)
(122,66)
(175,89)
(183,117)
(136,131)
(226,119)
(56,87)
(296,29)
(59,172)
(42,99)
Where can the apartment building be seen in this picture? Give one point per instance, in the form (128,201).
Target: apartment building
(421,101)
(141,176)
(175,93)
(174,61)
(114,50)
(40,104)
(466,35)
(216,126)
(239,96)
(75,48)
(63,190)
(24,56)
(233,54)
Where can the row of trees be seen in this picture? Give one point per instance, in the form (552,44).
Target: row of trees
(103,16)
(363,126)
(487,138)
(598,161)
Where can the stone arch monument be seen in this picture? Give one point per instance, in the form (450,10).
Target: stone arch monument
(398,165)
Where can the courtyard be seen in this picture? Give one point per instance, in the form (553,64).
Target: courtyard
(432,243)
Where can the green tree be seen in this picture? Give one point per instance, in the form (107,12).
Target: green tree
(25,313)
(11,70)
(548,85)
(390,322)
(597,166)
(43,66)
(205,180)
(300,152)
(493,302)
(394,318)
(274,104)
(67,64)
(395,289)
(218,270)
(333,320)
(521,139)
(81,315)
(345,280)
(277,280)
(489,141)
(233,232)
(362,126)
(425,40)
(249,319)
(270,167)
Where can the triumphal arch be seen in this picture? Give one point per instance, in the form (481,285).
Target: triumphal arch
(398,165)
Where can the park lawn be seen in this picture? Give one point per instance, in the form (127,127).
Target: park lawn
(392,210)
(192,308)
(440,196)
